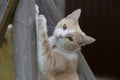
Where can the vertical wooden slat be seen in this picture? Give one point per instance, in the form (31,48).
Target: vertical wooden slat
(61,6)
(24,39)
(83,69)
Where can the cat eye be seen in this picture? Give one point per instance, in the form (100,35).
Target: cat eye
(70,38)
(64,27)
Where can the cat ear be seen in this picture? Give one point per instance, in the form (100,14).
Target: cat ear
(75,14)
(85,40)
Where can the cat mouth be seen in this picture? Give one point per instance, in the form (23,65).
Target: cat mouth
(58,38)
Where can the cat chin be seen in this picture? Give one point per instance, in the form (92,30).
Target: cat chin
(68,51)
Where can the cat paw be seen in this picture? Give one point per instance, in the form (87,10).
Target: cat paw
(42,19)
(42,22)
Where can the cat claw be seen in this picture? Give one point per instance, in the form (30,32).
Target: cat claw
(36,9)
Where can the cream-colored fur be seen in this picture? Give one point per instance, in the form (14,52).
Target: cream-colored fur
(57,57)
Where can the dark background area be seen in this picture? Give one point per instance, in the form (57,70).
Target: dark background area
(101,20)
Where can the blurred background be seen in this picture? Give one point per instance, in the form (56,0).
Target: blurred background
(101,20)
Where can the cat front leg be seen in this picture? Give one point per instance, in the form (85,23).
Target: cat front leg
(43,46)
(42,37)
(41,25)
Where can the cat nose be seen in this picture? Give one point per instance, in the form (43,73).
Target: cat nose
(59,36)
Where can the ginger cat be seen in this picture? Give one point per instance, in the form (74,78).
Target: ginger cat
(57,57)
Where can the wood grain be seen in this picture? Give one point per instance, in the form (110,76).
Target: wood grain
(24,39)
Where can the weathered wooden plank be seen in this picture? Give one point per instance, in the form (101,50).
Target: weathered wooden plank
(84,70)
(24,39)
(7,11)
(61,6)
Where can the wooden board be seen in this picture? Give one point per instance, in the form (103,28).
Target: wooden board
(7,8)
(24,41)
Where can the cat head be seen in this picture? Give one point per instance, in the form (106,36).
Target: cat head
(68,34)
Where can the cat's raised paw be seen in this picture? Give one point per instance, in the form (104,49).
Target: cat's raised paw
(42,20)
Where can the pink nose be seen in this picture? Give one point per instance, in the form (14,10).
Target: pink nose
(59,36)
